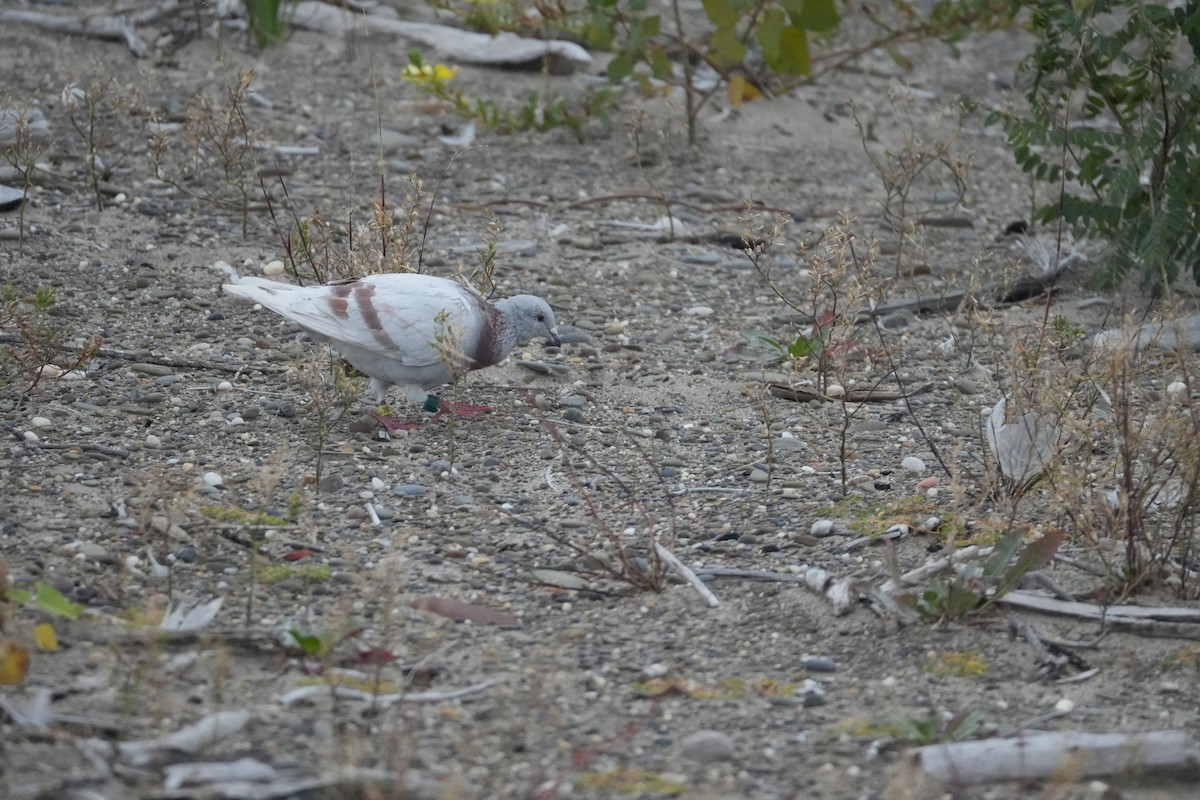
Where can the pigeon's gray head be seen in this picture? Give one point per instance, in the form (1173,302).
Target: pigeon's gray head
(529,317)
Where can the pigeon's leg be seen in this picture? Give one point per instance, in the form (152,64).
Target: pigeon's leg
(378,391)
(457,409)
(462,409)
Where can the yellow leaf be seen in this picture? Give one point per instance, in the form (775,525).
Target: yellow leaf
(742,91)
(13,663)
(43,634)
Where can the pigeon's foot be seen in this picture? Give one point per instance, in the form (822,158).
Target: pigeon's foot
(461,409)
(384,417)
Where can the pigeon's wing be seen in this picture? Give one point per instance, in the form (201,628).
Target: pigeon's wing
(417,320)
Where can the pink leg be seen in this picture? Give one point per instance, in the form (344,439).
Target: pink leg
(461,409)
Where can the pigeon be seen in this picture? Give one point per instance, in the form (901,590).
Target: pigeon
(408,330)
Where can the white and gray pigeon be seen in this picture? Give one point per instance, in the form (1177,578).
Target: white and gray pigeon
(407,330)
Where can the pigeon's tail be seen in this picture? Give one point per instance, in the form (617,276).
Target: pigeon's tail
(270,294)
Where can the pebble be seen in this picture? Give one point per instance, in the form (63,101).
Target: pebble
(31,437)
(1177,390)
(224,386)
(699,311)
(835,390)
(708,746)
(330,482)
(155,370)
(408,489)
(759,475)
(819,664)
(153,442)
(912,464)
(822,527)
(273,268)
(377,485)
(40,422)
(214,479)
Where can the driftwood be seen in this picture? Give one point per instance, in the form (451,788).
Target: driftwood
(97,26)
(994,294)
(1173,623)
(1040,755)
(688,576)
(452,43)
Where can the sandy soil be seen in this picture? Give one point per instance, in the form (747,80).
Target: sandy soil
(601,690)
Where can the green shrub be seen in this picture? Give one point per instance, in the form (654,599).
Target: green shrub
(1113,126)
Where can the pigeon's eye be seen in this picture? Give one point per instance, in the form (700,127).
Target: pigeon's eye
(541,317)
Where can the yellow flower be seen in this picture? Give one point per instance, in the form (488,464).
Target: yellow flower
(428,73)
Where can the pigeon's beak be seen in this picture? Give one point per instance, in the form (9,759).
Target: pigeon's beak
(554,340)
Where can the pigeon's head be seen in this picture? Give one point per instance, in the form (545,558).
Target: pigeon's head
(530,317)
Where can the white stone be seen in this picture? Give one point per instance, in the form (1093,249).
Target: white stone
(40,422)
(1177,390)
(912,464)
(224,386)
(835,390)
(153,441)
(273,268)
(31,437)
(822,527)
(213,479)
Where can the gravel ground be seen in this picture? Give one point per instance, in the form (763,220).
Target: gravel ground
(137,481)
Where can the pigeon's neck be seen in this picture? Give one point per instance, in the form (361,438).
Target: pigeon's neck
(496,336)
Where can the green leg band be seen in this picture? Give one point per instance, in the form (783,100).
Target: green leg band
(432,404)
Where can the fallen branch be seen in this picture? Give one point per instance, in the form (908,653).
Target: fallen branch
(800,395)
(841,592)
(116,452)
(162,361)
(1174,623)
(109,28)
(384,700)
(1037,756)
(684,572)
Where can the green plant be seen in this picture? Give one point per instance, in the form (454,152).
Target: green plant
(39,340)
(976,587)
(269,20)
(92,111)
(541,112)
(1114,125)
(22,145)
(14,659)
(918,163)
(218,166)
(934,729)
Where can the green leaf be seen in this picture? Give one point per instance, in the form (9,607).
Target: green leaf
(812,15)
(619,68)
(51,600)
(725,49)
(309,645)
(769,28)
(804,346)
(722,13)
(793,56)
(18,595)
(660,64)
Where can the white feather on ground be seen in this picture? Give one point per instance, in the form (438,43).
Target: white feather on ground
(403,329)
